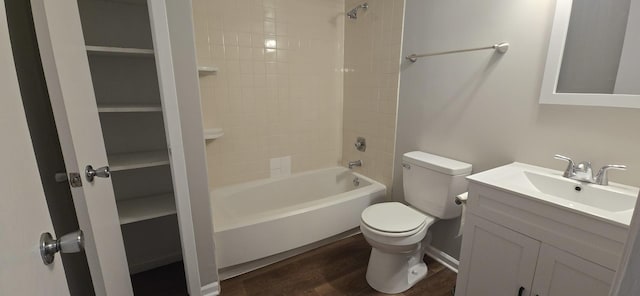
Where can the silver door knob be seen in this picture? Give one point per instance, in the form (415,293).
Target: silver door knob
(102,172)
(69,243)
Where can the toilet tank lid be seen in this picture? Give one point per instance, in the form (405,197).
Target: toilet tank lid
(437,163)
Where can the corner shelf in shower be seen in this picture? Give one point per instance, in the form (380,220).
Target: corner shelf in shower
(207,70)
(119,51)
(213,133)
(145,208)
(138,160)
(125,108)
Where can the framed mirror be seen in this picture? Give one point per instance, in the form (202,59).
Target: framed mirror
(594,54)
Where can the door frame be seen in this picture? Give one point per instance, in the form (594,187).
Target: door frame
(173,127)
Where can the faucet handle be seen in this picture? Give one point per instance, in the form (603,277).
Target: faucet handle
(602,176)
(570,170)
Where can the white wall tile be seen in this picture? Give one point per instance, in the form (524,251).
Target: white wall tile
(263,48)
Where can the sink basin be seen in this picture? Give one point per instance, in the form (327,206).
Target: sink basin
(610,199)
(614,202)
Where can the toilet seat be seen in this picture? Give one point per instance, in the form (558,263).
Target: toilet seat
(394,219)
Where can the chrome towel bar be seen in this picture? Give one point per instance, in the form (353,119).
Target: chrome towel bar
(501,47)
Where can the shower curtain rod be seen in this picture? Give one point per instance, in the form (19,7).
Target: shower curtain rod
(501,47)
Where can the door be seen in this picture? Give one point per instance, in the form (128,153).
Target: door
(495,261)
(560,273)
(66,68)
(23,209)
(73,99)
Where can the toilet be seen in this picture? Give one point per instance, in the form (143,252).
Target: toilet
(397,232)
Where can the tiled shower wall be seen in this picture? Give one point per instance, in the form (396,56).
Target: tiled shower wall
(372,54)
(279,89)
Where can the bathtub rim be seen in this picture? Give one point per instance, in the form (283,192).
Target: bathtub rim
(373,187)
(234,188)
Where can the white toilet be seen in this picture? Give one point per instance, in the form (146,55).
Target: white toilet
(397,232)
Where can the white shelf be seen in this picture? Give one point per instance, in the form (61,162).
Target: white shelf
(119,51)
(145,208)
(137,160)
(206,70)
(213,133)
(128,108)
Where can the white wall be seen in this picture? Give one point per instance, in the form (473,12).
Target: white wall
(483,109)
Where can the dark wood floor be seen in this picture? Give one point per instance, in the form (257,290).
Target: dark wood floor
(335,269)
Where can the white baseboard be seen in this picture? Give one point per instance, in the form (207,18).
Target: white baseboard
(212,289)
(443,258)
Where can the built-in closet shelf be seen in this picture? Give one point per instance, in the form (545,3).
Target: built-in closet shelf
(128,108)
(213,133)
(145,208)
(119,51)
(207,70)
(138,160)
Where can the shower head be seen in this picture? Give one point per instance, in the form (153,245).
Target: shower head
(353,13)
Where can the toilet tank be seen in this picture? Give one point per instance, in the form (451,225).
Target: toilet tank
(431,183)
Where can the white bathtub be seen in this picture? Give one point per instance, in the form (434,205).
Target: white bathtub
(262,218)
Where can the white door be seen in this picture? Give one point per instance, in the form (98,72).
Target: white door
(66,69)
(495,261)
(23,208)
(560,273)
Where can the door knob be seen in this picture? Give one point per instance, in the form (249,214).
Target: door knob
(102,172)
(69,243)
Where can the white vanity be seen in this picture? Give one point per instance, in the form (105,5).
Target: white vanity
(531,231)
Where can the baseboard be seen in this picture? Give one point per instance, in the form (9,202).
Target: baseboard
(212,289)
(443,258)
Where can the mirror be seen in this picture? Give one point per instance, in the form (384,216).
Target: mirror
(594,54)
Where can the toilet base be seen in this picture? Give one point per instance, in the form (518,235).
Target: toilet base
(393,273)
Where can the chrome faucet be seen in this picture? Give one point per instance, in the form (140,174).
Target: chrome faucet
(584,173)
(355,163)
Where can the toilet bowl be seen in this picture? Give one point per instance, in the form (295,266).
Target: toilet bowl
(397,232)
(396,262)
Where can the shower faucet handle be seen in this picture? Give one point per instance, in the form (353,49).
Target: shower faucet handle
(361,144)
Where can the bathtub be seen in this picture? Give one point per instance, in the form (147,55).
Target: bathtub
(262,218)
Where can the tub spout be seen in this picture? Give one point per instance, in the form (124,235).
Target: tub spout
(356,163)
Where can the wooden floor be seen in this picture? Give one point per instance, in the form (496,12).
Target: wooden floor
(335,269)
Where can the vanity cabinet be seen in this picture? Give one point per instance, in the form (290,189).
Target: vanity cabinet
(499,261)
(561,273)
(513,245)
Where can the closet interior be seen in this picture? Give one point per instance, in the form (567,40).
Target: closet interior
(120,50)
